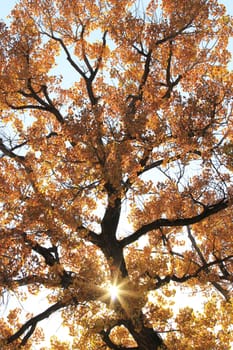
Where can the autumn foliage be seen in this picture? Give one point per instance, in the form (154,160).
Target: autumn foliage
(116,169)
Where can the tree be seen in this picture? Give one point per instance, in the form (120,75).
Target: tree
(119,174)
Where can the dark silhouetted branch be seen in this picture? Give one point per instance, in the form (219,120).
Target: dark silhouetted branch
(156,224)
(31,324)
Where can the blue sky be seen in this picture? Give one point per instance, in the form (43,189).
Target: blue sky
(6,8)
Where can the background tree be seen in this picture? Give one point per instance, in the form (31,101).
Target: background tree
(117,172)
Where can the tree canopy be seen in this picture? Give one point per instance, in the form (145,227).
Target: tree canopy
(116,171)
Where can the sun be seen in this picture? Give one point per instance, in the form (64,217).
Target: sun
(114,291)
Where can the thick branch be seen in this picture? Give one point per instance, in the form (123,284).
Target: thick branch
(150,166)
(30,106)
(146,72)
(156,224)
(90,235)
(68,55)
(49,105)
(31,324)
(146,338)
(9,152)
(169,81)
(93,71)
(42,106)
(203,268)
(109,243)
(138,97)
(19,146)
(51,258)
(49,254)
(88,80)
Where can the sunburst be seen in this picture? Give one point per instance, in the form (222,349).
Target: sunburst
(121,293)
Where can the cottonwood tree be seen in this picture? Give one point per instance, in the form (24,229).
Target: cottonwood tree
(116,163)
